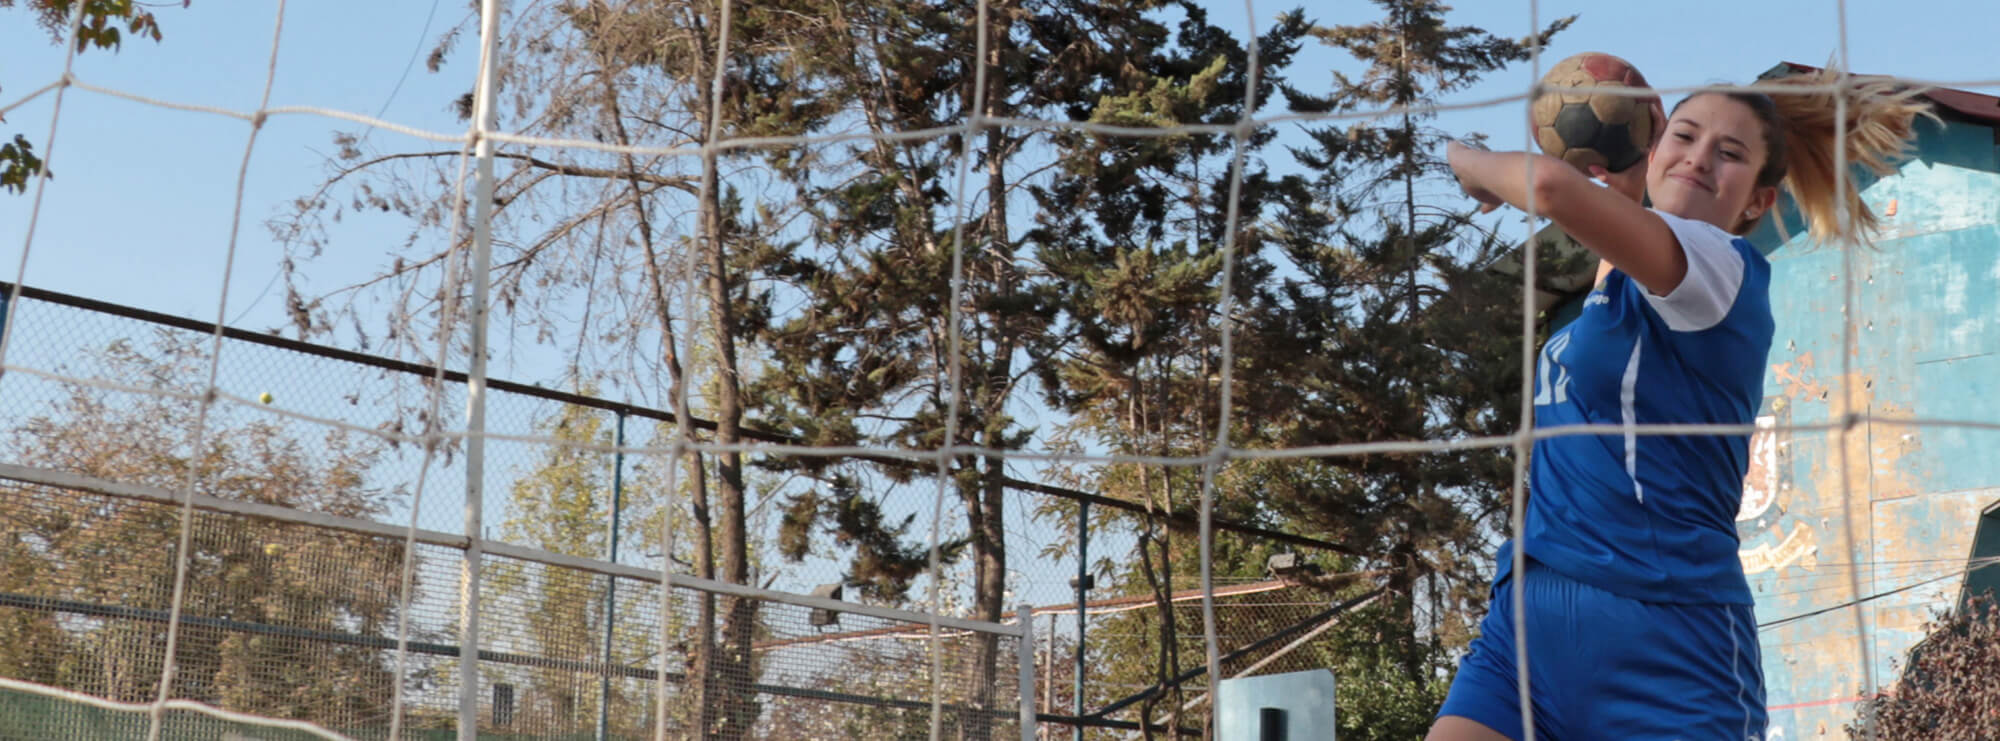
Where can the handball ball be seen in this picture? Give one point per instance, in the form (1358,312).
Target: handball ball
(1586,127)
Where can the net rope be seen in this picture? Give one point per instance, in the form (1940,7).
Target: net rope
(954,342)
(735,143)
(158,707)
(430,442)
(1517,521)
(182,551)
(477,150)
(845,451)
(1849,347)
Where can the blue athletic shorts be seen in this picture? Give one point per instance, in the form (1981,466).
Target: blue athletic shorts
(1603,666)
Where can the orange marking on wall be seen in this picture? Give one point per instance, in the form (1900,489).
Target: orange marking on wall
(1795,385)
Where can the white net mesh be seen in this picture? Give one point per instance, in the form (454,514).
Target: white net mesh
(280,531)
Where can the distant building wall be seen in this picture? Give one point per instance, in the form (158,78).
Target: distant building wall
(1905,503)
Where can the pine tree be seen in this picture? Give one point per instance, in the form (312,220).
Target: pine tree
(1391,327)
(1132,229)
(823,271)
(870,357)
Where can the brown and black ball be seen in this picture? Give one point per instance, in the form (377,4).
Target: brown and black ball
(1591,125)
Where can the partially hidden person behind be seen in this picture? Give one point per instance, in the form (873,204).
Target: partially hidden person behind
(1639,617)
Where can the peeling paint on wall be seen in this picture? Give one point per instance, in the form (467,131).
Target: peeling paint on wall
(1840,513)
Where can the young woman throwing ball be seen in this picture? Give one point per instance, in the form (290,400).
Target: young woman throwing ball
(1639,617)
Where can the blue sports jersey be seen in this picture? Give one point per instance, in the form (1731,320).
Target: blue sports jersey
(1652,517)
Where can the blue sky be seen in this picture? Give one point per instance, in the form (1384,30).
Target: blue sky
(139,212)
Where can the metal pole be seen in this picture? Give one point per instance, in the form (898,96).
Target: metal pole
(1082,594)
(1049,672)
(1026,654)
(611,582)
(484,122)
(6,308)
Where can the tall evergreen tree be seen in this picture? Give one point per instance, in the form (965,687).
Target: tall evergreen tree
(823,293)
(870,357)
(1389,324)
(1132,230)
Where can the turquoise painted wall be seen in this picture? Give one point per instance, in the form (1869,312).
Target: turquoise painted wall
(1830,516)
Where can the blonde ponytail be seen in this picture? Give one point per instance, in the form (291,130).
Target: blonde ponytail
(1881,115)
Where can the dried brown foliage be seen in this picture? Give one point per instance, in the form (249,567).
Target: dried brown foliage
(1947,690)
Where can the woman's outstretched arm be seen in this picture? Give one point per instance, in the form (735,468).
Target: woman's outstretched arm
(1607,221)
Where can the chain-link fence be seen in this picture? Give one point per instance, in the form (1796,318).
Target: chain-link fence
(311,468)
(297,621)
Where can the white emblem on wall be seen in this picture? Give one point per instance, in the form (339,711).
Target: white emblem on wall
(1760,485)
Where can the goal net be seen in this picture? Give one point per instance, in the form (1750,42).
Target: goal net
(829,370)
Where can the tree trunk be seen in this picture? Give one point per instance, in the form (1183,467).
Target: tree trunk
(1161,580)
(701,661)
(738,704)
(1407,588)
(1170,633)
(989,546)
(1402,590)
(989,524)
(731,677)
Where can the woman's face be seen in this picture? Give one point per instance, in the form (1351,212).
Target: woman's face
(1706,165)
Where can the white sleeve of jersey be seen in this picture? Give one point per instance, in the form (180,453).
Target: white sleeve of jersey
(1714,275)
